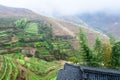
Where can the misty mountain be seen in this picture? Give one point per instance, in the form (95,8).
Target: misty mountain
(7,12)
(60,27)
(108,23)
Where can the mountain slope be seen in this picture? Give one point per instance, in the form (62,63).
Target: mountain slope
(107,23)
(60,28)
(6,12)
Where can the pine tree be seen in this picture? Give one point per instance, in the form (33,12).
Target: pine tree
(98,53)
(116,55)
(98,45)
(84,48)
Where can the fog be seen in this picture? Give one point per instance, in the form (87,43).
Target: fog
(65,7)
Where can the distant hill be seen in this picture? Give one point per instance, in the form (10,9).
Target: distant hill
(6,12)
(60,28)
(108,23)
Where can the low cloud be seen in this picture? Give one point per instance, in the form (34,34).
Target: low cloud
(65,7)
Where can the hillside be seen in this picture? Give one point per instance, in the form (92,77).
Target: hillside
(108,23)
(29,48)
(60,28)
(10,12)
(36,47)
(66,28)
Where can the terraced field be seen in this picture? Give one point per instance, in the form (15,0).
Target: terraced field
(24,51)
(32,28)
(19,69)
(8,67)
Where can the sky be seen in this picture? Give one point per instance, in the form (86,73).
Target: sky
(64,7)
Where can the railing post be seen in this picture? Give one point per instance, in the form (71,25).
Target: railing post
(87,77)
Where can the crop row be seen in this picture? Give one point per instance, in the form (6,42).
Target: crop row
(9,70)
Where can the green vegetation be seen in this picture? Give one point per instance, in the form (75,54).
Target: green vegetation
(3,35)
(33,68)
(102,54)
(21,23)
(32,28)
(116,55)
(85,49)
(30,51)
(107,54)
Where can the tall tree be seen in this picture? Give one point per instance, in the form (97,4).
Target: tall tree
(98,45)
(98,53)
(84,48)
(116,56)
(107,54)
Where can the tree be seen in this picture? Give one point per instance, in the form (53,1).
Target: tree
(46,30)
(112,39)
(98,53)
(21,23)
(98,45)
(116,56)
(107,54)
(84,48)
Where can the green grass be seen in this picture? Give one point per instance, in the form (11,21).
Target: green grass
(4,68)
(32,28)
(15,70)
(8,76)
(3,35)
(45,70)
(43,52)
(54,78)
(4,31)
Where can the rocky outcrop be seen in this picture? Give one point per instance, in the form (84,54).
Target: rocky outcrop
(29,51)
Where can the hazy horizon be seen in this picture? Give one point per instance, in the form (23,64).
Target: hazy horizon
(65,7)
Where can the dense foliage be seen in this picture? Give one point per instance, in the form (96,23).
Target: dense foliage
(102,54)
(116,55)
(84,48)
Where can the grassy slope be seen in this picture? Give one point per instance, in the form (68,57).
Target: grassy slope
(32,28)
(45,71)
